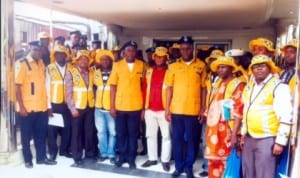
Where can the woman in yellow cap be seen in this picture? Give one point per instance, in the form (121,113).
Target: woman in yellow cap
(105,123)
(223,122)
(262,46)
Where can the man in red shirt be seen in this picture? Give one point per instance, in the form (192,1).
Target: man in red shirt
(154,99)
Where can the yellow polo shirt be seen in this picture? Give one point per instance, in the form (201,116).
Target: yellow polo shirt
(31,76)
(128,83)
(186,80)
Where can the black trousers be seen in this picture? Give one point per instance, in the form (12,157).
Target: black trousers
(127,128)
(83,135)
(65,132)
(34,126)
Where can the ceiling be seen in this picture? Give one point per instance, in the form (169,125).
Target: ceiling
(179,14)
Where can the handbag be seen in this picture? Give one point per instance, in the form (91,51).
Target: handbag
(233,165)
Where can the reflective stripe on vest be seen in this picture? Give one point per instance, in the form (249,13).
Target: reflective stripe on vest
(83,95)
(57,87)
(102,99)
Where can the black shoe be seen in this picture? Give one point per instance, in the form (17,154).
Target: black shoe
(119,163)
(68,155)
(101,159)
(78,163)
(52,157)
(112,160)
(29,165)
(132,166)
(203,174)
(176,173)
(189,174)
(46,161)
(149,163)
(166,166)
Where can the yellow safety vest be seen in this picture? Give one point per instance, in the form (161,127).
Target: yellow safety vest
(163,90)
(83,95)
(57,85)
(259,117)
(103,91)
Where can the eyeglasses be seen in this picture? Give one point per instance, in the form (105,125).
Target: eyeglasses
(261,65)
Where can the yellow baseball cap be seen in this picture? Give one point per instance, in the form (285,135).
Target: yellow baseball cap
(160,51)
(214,55)
(174,46)
(43,35)
(223,60)
(82,53)
(58,48)
(293,43)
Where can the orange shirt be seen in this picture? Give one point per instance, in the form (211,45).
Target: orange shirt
(31,76)
(187,81)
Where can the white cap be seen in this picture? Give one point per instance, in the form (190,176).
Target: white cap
(234,52)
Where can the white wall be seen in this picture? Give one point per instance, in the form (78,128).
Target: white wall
(239,38)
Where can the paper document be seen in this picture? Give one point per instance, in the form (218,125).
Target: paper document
(56,120)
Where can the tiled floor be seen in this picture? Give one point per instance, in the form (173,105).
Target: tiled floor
(90,169)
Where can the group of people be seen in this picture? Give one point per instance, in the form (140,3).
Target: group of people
(103,99)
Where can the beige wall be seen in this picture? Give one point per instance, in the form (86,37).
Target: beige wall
(239,38)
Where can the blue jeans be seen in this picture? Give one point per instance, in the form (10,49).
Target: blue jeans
(106,133)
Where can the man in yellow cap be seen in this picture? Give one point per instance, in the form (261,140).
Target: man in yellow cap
(174,53)
(32,99)
(127,102)
(116,52)
(154,97)
(227,90)
(185,82)
(105,123)
(267,119)
(289,76)
(55,84)
(262,46)
(45,39)
(80,101)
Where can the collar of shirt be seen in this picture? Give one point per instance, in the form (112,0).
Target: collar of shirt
(61,68)
(264,81)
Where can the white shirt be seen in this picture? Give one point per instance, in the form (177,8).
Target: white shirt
(189,62)
(130,66)
(62,70)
